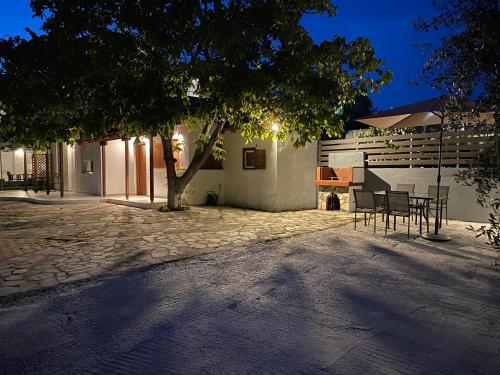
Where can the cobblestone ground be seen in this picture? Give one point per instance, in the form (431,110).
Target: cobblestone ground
(42,246)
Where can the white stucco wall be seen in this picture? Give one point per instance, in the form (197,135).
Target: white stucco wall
(296,173)
(247,188)
(115,167)
(462,199)
(203,181)
(69,167)
(285,184)
(8,164)
(13,161)
(68,153)
(84,182)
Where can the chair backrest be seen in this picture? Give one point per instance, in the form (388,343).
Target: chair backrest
(364,199)
(10,176)
(443,191)
(410,188)
(398,201)
(380,201)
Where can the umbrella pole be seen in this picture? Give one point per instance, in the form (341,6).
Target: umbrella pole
(440,152)
(436,236)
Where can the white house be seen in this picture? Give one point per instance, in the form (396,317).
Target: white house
(264,175)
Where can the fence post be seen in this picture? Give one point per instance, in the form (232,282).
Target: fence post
(411,153)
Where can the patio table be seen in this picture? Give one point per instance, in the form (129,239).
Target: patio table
(426,202)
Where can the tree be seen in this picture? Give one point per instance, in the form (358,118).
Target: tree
(467,61)
(362,106)
(129,65)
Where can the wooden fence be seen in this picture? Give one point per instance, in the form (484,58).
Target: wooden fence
(410,150)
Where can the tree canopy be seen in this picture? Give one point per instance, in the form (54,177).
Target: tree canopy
(129,65)
(467,63)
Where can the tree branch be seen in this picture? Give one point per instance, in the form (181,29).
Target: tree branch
(200,156)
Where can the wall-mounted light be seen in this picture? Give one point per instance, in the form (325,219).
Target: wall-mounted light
(275,127)
(19,152)
(179,137)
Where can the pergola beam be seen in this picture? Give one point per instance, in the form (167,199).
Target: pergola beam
(34,163)
(103,167)
(127,187)
(61,169)
(25,161)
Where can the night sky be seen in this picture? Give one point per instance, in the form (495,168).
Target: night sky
(387,23)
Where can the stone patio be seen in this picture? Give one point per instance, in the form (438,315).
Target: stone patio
(42,246)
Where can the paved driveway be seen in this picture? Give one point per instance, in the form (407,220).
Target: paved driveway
(43,246)
(330,302)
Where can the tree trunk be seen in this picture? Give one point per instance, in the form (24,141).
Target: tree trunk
(177,184)
(173,196)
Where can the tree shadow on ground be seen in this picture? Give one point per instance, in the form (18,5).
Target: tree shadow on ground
(213,317)
(146,323)
(407,344)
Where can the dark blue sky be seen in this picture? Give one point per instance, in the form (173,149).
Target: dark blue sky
(387,23)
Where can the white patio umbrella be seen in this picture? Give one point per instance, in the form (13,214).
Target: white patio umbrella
(425,113)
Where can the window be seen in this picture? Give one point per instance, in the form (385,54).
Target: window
(87,166)
(248,158)
(158,157)
(254,158)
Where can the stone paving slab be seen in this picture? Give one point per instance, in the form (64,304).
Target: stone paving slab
(43,246)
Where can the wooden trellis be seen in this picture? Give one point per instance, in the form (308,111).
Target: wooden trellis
(43,171)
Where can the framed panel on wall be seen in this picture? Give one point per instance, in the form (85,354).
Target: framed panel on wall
(254,158)
(87,166)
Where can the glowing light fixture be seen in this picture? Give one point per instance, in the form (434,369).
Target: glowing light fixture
(275,127)
(179,137)
(19,152)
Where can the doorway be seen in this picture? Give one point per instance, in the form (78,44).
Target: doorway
(140,169)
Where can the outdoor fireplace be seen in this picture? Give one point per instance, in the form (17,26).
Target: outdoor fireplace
(333,198)
(333,186)
(333,202)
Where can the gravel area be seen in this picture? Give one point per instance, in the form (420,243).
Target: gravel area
(329,302)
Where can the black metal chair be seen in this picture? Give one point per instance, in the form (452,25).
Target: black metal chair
(380,205)
(410,188)
(365,203)
(398,204)
(444,191)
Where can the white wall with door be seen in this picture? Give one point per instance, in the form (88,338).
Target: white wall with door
(12,161)
(88,168)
